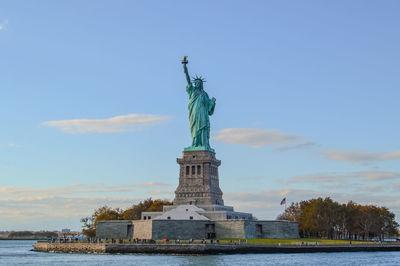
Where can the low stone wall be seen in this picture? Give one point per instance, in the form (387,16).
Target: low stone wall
(114,229)
(230,229)
(70,247)
(179,229)
(199,248)
(197,229)
(258,229)
(275,229)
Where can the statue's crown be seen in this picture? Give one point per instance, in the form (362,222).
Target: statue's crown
(199,78)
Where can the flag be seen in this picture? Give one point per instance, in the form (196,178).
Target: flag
(283,201)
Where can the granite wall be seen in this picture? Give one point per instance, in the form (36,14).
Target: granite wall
(114,229)
(230,229)
(179,229)
(186,229)
(275,229)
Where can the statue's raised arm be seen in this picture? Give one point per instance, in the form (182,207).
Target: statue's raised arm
(184,63)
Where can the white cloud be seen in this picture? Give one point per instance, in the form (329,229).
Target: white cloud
(114,124)
(360,157)
(3,25)
(256,138)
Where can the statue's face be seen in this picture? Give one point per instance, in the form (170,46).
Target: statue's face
(198,84)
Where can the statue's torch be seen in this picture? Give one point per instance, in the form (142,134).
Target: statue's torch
(185,61)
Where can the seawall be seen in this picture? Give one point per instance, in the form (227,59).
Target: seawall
(70,247)
(107,248)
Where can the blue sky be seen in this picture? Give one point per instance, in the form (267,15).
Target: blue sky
(94,107)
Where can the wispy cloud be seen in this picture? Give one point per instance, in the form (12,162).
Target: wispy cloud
(256,138)
(13,145)
(22,205)
(152,184)
(3,25)
(161,192)
(75,189)
(359,157)
(114,124)
(49,207)
(64,206)
(326,178)
(307,144)
(266,204)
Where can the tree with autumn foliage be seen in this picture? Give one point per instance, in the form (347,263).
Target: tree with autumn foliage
(106,213)
(148,205)
(330,219)
(101,214)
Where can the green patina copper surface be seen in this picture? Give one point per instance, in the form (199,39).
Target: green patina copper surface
(200,108)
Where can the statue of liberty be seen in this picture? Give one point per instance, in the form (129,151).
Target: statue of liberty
(200,107)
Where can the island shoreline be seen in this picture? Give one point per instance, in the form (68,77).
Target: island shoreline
(200,249)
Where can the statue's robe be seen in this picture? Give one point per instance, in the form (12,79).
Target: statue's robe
(200,107)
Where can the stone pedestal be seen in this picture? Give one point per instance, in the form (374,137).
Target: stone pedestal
(198,179)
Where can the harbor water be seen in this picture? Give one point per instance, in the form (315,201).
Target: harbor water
(19,252)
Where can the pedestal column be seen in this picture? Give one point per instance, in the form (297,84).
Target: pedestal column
(198,179)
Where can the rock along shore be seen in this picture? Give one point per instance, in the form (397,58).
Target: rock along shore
(107,248)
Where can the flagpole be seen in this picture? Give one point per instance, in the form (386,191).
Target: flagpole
(283,201)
